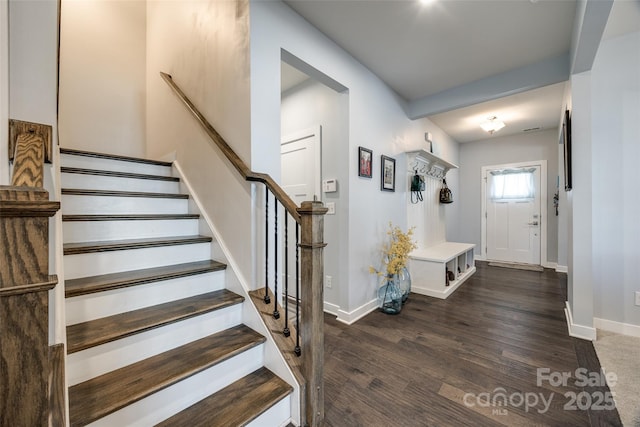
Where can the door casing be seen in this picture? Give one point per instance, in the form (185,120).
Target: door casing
(543,206)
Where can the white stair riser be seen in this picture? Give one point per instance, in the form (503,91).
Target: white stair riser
(279,415)
(97,263)
(90,231)
(74,204)
(85,162)
(167,402)
(95,361)
(97,182)
(102,304)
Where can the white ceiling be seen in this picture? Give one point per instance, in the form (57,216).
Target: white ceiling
(521,113)
(427,51)
(420,50)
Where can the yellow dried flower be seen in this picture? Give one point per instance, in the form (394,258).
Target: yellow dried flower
(396,252)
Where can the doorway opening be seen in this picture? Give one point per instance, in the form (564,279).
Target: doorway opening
(514,229)
(314,114)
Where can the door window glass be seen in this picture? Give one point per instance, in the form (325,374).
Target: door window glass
(513,184)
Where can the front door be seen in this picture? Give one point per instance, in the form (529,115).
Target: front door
(513,214)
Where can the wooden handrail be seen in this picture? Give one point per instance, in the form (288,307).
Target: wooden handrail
(310,217)
(231,155)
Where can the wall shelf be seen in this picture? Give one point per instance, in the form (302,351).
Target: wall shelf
(428,164)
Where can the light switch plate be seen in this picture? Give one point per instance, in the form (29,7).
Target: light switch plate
(332,208)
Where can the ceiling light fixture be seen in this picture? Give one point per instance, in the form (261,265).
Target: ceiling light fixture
(492,125)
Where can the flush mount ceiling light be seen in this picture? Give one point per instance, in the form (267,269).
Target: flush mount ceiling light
(492,125)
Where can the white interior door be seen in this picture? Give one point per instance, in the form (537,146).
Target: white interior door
(301,177)
(513,215)
(300,165)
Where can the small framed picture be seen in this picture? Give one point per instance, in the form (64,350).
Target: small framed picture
(388,174)
(365,160)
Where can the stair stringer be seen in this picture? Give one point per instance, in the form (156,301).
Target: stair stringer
(236,282)
(57,300)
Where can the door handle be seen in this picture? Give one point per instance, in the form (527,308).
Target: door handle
(533,223)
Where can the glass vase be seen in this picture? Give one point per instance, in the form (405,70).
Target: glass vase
(390,296)
(403,280)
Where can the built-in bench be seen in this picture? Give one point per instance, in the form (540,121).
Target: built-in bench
(429,267)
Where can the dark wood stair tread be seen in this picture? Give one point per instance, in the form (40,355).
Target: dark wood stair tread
(128,217)
(235,405)
(100,396)
(75,152)
(105,282)
(114,193)
(117,174)
(118,245)
(100,331)
(275,327)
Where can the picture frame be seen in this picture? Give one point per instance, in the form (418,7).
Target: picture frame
(566,140)
(365,162)
(387,173)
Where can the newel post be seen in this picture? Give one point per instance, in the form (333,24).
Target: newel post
(312,304)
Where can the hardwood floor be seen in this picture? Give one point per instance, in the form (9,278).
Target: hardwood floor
(437,362)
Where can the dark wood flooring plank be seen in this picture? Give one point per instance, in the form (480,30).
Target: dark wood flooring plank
(588,359)
(492,334)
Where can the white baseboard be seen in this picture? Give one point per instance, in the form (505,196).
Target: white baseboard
(579,331)
(357,314)
(562,269)
(617,327)
(331,308)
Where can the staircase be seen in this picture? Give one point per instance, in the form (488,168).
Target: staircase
(153,335)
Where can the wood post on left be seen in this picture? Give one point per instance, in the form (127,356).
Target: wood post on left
(312,303)
(25,362)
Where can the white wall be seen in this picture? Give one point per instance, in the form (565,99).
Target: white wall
(103,76)
(33,81)
(564,207)
(580,261)
(204,45)
(377,120)
(4,91)
(502,150)
(33,61)
(615,83)
(304,106)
